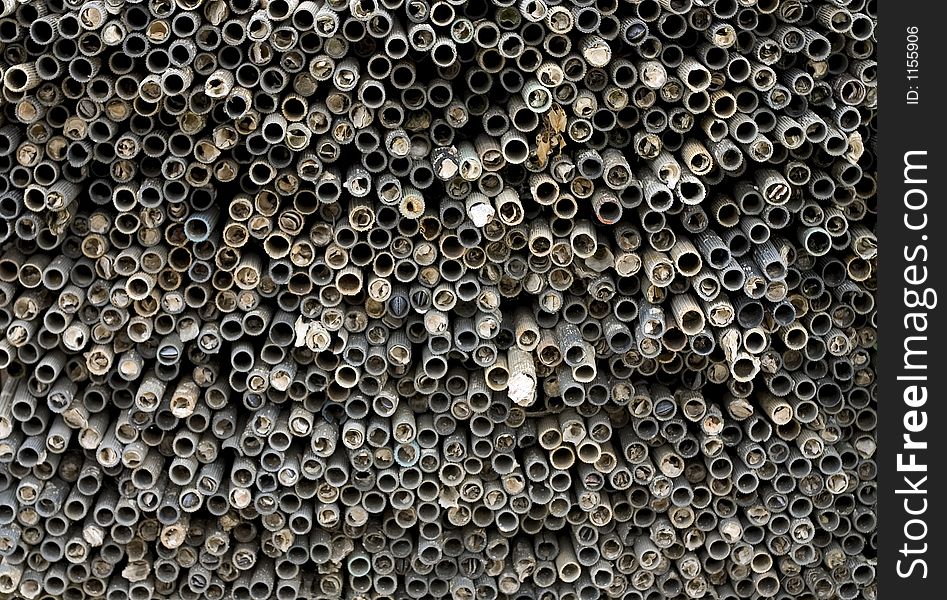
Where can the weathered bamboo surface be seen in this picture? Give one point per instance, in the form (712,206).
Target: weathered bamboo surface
(414,299)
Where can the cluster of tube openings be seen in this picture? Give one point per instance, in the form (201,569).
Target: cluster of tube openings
(416,299)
